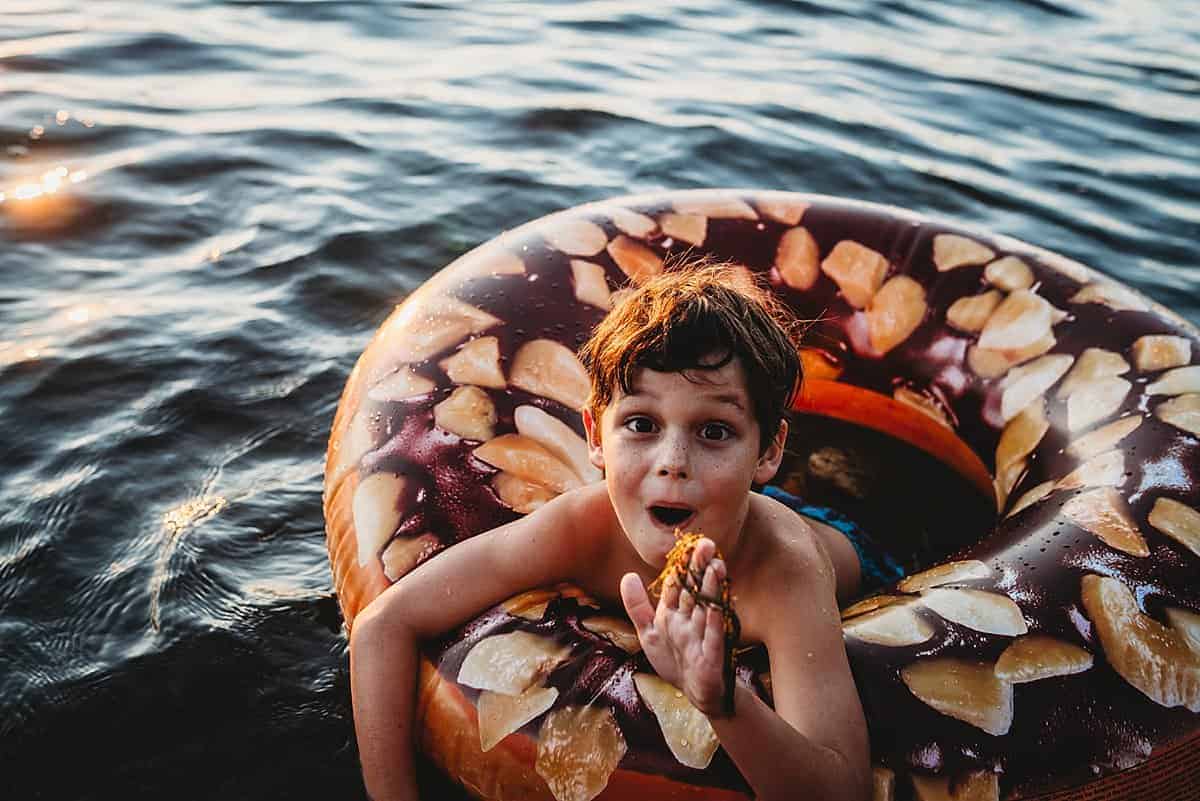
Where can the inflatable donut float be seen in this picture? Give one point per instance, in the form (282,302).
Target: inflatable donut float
(1055,655)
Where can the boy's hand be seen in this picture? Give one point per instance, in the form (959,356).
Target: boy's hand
(684,640)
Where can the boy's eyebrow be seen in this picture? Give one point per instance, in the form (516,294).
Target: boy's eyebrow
(733,400)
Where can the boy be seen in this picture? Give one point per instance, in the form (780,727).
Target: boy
(690,376)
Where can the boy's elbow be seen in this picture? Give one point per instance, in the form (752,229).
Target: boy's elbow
(382,620)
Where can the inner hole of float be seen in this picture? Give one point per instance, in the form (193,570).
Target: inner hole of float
(917,508)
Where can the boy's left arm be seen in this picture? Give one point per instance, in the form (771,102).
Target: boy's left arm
(814,744)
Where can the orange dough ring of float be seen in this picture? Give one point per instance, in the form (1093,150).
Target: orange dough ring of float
(1057,655)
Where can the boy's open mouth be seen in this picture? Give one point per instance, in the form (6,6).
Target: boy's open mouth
(671,515)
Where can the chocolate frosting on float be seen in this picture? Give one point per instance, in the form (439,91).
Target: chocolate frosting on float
(1065,729)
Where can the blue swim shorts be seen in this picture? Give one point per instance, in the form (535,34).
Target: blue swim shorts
(878,569)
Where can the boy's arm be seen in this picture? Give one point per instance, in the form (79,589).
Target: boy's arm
(814,743)
(542,548)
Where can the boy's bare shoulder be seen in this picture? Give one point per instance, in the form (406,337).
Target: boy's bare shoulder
(788,560)
(582,520)
(785,541)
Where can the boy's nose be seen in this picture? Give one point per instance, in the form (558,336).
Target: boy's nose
(672,460)
(676,472)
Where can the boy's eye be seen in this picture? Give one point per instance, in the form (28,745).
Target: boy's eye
(716,431)
(640,425)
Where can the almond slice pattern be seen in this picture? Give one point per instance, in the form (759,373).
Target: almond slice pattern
(871,604)
(980,610)
(576,237)
(1025,384)
(1187,623)
(419,331)
(1097,399)
(1150,656)
(578,750)
(488,264)
(477,362)
(690,228)
(1038,656)
(1182,411)
(728,208)
(883,783)
(511,663)
(528,459)
(620,632)
(1007,478)
(895,311)
(687,731)
(949,573)
(404,553)
(1093,363)
(1009,273)
(1161,352)
(788,212)
(591,286)
(520,495)
(548,368)
(979,785)
(1077,272)
(400,385)
(376,513)
(970,314)
(798,259)
(1021,435)
(964,690)
(1105,470)
(531,604)
(558,438)
(894,625)
(1031,497)
(951,251)
(1176,382)
(468,413)
(1103,513)
(638,226)
(500,715)
(992,363)
(1115,297)
(635,259)
(1021,319)
(359,438)
(1178,521)
(857,270)
(1104,438)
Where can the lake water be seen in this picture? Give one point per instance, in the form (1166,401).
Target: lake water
(207,207)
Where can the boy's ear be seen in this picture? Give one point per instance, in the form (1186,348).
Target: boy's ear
(768,462)
(592,428)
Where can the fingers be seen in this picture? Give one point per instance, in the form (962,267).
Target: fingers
(637,603)
(696,564)
(670,593)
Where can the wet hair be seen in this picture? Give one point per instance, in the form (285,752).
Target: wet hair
(698,316)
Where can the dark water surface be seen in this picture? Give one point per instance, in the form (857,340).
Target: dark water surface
(209,206)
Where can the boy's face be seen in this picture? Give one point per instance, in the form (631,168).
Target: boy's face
(680,453)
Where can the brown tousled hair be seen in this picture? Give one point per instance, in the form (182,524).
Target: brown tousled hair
(698,316)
